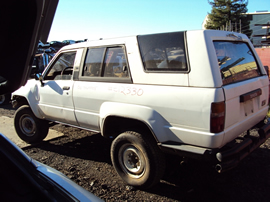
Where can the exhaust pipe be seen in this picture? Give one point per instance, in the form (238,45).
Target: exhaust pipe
(222,167)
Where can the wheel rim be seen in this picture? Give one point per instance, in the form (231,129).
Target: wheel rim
(27,125)
(132,161)
(2,99)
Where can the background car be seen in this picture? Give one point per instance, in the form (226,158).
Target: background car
(68,42)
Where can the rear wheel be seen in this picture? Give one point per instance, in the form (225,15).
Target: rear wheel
(137,159)
(28,127)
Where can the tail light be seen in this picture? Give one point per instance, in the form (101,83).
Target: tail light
(217,117)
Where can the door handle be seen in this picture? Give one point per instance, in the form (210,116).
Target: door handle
(66,88)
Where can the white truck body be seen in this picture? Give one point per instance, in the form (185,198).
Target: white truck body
(175,106)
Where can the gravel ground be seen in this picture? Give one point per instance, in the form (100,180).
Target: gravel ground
(85,158)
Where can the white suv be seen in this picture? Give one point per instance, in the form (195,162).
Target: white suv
(190,93)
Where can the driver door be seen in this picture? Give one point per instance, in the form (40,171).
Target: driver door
(55,95)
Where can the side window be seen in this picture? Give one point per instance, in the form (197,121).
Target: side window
(163,52)
(93,62)
(115,64)
(62,68)
(106,62)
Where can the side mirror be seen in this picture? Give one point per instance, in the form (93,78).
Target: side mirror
(40,78)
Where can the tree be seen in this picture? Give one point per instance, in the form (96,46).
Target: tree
(229,15)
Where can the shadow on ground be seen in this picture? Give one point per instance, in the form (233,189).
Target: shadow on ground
(189,181)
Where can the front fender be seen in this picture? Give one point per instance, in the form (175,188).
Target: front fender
(30,93)
(152,118)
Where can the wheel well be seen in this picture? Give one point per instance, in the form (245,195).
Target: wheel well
(114,125)
(19,101)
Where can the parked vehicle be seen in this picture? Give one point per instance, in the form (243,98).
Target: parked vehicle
(42,45)
(80,41)
(190,93)
(56,44)
(41,60)
(68,42)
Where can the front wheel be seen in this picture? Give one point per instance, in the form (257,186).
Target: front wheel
(28,127)
(137,159)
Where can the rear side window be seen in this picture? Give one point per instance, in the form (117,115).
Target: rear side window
(106,62)
(236,61)
(163,52)
(115,64)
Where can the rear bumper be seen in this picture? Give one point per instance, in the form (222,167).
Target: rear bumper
(230,156)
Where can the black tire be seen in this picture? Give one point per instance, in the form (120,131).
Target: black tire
(137,159)
(28,127)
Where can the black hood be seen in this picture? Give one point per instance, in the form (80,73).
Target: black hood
(23,23)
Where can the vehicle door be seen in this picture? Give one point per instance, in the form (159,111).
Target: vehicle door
(103,68)
(55,94)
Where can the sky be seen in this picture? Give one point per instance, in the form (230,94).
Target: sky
(94,19)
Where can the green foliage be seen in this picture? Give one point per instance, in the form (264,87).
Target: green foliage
(229,15)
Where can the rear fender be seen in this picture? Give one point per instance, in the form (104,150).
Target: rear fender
(158,125)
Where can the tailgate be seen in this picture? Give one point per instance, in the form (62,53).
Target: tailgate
(245,87)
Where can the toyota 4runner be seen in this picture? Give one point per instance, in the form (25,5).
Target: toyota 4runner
(190,93)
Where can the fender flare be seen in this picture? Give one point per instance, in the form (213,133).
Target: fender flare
(155,122)
(30,93)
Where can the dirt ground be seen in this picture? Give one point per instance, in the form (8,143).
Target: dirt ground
(85,158)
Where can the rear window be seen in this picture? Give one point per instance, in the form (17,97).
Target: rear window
(163,52)
(236,61)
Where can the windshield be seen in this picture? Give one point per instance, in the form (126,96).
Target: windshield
(236,61)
